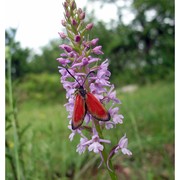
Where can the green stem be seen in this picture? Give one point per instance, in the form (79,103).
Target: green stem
(105,154)
(14,123)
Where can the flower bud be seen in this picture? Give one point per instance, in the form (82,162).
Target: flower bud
(63,22)
(62,35)
(67,14)
(85,61)
(73,5)
(77,38)
(89,26)
(65,5)
(94,42)
(73,22)
(80,11)
(65,47)
(82,15)
(63,61)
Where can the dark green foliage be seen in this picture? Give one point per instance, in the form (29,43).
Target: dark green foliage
(143,50)
(19,56)
(46,61)
(40,87)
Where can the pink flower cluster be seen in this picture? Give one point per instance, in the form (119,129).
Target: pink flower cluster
(80,57)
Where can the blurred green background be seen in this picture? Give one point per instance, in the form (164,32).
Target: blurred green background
(141,56)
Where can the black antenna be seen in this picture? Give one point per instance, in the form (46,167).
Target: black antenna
(87,77)
(77,80)
(72,76)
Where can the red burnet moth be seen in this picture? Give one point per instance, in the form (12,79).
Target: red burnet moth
(87,102)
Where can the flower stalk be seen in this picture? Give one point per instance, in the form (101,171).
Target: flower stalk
(111,170)
(15,160)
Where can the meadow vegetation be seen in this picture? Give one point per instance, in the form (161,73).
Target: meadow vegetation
(149,124)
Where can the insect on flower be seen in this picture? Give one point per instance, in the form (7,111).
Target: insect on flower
(86,101)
